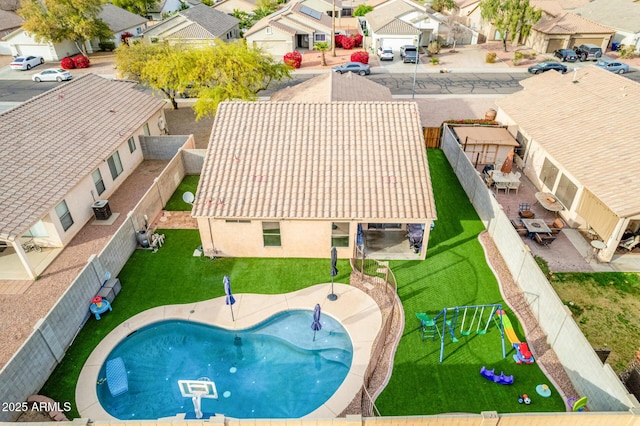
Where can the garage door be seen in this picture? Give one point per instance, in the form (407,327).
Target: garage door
(579,41)
(395,43)
(35,50)
(554,44)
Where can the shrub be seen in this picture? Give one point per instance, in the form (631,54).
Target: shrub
(124,37)
(348,43)
(491,57)
(362,57)
(81,61)
(107,45)
(433,48)
(67,63)
(293,59)
(435,61)
(338,40)
(358,40)
(362,10)
(517,57)
(626,52)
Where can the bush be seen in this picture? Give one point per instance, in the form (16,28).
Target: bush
(362,57)
(517,57)
(433,48)
(358,40)
(124,37)
(107,45)
(491,57)
(81,61)
(348,43)
(626,52)
(362,10)
(293,59)
(434,60)
(338,40)
(67,63)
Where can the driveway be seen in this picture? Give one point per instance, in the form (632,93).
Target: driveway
(102,64)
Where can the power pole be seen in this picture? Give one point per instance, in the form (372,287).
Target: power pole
(333,30)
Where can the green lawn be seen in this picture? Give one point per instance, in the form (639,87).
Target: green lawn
(455,273)
(175,203)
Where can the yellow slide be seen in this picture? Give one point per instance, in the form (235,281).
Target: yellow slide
(508,328)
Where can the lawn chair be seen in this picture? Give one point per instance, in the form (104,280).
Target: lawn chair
(524,211)
(556,226)
(630,243)
(544,239)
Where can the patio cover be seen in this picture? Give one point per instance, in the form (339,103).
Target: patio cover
(597,214)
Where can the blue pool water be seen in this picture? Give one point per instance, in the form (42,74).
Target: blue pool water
(274,370)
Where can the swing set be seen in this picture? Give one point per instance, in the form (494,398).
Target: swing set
(448,319)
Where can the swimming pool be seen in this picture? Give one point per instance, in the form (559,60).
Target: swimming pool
(272,370)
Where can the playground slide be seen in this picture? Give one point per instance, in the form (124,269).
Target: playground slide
(508,328)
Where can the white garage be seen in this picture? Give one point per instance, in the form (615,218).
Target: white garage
(22,43)
(394,42)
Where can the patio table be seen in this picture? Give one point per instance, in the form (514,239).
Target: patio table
(549,201)
(498,176)
(536,226)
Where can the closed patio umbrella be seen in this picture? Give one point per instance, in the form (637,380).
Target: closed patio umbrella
(315,325)
(229,299)
(507,166)
(334,272)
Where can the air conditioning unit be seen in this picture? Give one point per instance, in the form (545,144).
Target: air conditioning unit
(101,209)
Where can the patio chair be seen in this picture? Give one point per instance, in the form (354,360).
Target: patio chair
(502,185)
(514,185)
(519,227)
(544,239)
(524,211)
(630,243)
(556,226)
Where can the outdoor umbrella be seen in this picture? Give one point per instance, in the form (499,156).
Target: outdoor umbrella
(334,272)
(229,300)
(315,325)
(507,166)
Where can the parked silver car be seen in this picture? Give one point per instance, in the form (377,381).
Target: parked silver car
(357,67)
(26,62)
(385,54)
(613,66)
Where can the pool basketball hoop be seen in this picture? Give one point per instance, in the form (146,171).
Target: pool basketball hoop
(196,390)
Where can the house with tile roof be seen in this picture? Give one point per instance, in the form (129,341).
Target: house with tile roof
(621,15)
(9,22)
(78,142)
(228,6)
(164,8)
(567,30)
(334,87)
(581,147)
(119,21)
(398,23)
(200,24)
(291,179)
(293,27)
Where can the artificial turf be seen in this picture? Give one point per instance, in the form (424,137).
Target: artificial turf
(455,273)
(176,203)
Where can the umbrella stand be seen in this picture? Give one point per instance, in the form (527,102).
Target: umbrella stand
(334,271)
(332,296)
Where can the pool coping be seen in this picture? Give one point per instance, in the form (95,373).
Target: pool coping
(358,313)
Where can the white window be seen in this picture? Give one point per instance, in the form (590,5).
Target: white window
(269,30)
(132,144)
(115,165)
(98,182)
(271,234)
(64,215)
(320,37)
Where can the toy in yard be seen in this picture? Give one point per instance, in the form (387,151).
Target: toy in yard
(543,390)
(524,399)
(577,404)
(446,321)
(523,354)
(501,378)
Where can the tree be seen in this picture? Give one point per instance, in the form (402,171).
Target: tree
(322,46)
(440,5)
(58,20)
(362,10)
(246,20)
(512,18)
(213,74)
(139,7)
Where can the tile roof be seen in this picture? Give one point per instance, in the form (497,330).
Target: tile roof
(482,135)
(570,23)
(119,19)
(289,17)
(9,20)
(550,7)
(338,160)
(621,14)
(384,19)
(332,86)
(216,22)
(54,140)
(588,129)
(228,6)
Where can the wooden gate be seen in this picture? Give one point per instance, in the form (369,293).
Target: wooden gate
(432,137)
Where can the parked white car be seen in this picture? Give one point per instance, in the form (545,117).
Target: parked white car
(385,54)
(52,74)
(26,62)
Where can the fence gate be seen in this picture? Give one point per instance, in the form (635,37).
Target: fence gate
(432,137)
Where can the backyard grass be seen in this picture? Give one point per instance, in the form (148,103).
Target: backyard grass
(606,307)
(176,203)
(173,276)
(455,273)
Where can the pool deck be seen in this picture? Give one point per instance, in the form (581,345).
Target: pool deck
(355,310)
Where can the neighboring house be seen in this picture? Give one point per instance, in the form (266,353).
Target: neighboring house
(485,144)
(293,27)
(621,15)
(325,6)
(568,30)
(164,8)
(331,86)
(285,179)
(228,6)
(82,146)
(586,156)
(200,24)
(119,21)
(402,22)
(9,22)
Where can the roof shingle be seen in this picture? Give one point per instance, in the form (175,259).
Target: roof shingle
(339,160)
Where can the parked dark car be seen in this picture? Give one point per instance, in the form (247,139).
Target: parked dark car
(566,55)
(588,52)
(546,66)
(357,67)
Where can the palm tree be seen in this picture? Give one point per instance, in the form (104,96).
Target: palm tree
(322,46)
